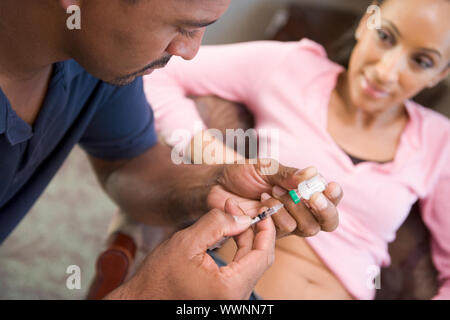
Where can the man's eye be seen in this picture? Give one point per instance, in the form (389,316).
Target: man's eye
(186,33)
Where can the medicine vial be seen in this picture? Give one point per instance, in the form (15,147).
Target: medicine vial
(307,188)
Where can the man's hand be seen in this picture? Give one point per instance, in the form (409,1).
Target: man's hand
(246,183)
(180,268)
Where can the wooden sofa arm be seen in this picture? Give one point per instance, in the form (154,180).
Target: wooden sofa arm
(112,266)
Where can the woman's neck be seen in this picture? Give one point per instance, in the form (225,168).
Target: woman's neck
(363,119)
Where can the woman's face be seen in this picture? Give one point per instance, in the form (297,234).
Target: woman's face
(410,52)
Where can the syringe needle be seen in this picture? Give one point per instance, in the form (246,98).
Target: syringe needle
(259,217)
(267,213)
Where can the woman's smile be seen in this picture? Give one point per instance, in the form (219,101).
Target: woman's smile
(371,90)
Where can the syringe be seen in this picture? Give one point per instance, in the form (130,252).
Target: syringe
(263,215)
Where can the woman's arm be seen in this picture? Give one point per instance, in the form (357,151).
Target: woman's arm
(232,72)
(436,215)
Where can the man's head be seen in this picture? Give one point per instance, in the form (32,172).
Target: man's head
(122,39)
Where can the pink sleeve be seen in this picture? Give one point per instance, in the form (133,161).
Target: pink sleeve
(436,215)
(232,72)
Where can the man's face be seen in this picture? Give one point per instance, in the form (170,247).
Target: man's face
(120,40)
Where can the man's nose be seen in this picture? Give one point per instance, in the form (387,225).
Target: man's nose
(389,67)
(187,48)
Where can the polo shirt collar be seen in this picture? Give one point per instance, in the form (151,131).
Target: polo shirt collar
(68,69)
(15,129)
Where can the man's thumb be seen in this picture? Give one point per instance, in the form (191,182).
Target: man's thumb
(216,225)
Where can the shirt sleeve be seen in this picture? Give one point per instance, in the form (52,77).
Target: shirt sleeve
(233,72)
(436,215)
(123,126)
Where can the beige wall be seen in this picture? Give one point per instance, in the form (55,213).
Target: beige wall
(247,20)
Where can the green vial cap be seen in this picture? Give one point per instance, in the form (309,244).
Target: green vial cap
(294,196)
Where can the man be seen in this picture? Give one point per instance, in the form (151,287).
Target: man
(52,98)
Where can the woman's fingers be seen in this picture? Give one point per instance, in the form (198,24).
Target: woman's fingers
(285,224)
(324,211)
(306,223)
(306,218)
(334,192)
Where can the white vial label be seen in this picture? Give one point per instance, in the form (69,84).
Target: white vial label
(309,187)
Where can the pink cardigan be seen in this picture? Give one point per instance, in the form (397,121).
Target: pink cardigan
(287,86)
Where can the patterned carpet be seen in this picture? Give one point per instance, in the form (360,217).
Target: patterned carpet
(67,226)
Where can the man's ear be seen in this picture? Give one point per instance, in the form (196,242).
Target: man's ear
(67,3)
(444,73)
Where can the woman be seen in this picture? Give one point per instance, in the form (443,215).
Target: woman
(357,126)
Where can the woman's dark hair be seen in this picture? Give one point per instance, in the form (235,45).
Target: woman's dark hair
(341,51)
(342,48)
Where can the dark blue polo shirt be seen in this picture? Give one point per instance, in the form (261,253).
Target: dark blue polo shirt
(109,122)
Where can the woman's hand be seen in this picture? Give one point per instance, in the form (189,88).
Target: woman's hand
(246,183)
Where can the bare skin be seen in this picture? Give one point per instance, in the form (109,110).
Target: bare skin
(370,143)
(28,106)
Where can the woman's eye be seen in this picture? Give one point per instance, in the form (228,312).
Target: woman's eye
(384,36)
(424,63)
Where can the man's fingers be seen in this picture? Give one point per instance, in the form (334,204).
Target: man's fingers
(244,243)
(265,234)
(213,227)
(251,266)
(233,208)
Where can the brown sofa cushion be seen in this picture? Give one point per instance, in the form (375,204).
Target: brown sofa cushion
(411,274)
